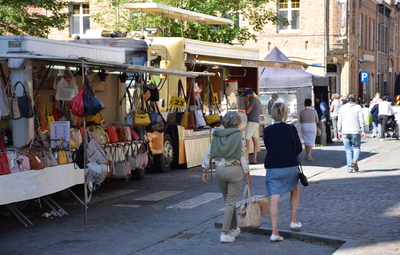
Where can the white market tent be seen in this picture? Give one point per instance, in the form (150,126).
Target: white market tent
(280,81)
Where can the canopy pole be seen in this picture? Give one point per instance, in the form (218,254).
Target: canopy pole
(84,155)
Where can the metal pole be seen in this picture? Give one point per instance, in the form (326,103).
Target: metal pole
(84,153)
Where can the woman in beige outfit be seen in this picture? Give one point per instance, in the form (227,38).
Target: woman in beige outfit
(308,120)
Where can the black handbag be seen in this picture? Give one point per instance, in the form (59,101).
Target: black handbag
(302,176)
(24,102)
(157,121)
(92,104)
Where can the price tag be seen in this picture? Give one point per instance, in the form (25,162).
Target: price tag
(37,159)
(215,98)
(177,102)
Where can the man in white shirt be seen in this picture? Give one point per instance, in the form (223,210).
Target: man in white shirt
(384,111)
(351,130)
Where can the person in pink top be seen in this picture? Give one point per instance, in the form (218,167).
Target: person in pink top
(308,120)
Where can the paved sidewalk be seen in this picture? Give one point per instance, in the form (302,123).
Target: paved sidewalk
(360,209)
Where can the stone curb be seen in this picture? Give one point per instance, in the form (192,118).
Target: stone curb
(344,244)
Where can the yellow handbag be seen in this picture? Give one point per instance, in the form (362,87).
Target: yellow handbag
(47,113)
(95,118)
(185,119)
(141,119)
(212,118)
(60,155)
(72,144)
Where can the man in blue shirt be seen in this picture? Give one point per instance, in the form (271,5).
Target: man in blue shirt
(323,116)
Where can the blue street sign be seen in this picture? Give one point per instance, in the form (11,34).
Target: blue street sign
(364,76)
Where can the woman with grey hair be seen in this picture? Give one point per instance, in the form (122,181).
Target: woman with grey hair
(228,149)
(283,147)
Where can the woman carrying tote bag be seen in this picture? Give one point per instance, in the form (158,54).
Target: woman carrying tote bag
(228,149)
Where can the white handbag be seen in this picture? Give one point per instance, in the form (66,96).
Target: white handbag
(12,161)
(66,89)
(4,103)
(250,211)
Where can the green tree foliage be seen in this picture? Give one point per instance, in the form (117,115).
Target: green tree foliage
(32,17)
(254,11)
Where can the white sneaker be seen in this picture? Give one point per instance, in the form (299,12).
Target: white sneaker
(235,232)
(226,238)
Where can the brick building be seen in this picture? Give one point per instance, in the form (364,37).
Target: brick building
(346,36)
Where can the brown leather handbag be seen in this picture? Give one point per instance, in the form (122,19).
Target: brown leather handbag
(35,160)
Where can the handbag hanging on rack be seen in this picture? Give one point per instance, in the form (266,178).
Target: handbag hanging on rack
(48,114)
(92,104)
(66,87)
(77,105)
(15,113)
(187,118)
(177,105)
(214,117)
(24,102)
(158,122)
(5,107)
(141,117)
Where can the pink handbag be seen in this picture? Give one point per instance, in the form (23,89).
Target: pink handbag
(23,163)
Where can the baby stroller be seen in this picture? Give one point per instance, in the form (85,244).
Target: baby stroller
(391,126)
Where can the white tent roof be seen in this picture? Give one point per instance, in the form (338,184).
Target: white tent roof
(272,78)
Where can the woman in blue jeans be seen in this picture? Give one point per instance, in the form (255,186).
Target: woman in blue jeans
(228,149)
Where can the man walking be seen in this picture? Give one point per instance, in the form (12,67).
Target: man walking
(323,116)
(253,110)
(351,130)
(384,111)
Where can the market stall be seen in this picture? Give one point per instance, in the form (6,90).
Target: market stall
(40,77)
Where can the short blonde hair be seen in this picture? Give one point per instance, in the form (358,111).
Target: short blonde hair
(335,96)
(279,111)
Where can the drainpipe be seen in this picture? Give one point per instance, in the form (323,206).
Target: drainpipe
(377,50)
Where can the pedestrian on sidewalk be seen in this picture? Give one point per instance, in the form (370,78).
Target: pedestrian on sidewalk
(308,119)
(228,149)
(323,117)
(335,107)
(384,111)
(376,126)
(351,130)
(253,110)
(283,146)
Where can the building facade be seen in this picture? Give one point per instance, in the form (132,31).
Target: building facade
(357,42)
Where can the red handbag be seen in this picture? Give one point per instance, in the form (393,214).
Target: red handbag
(134,135)
(76,104)
(4,167)
(56,112)
(112,134)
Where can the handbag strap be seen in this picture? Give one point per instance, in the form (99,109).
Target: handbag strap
(298,160)
(211,99)
(247,195)
(23,86)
